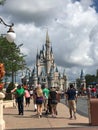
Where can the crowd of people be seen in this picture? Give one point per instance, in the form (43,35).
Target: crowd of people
(45,99)
(92,91)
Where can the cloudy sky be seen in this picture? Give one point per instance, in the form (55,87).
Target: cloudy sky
(72,26)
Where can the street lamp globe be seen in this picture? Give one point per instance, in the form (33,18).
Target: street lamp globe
(10,36)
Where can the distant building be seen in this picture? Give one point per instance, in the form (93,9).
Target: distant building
(82,81)
(45,71)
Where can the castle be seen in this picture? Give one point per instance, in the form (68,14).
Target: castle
(45,71)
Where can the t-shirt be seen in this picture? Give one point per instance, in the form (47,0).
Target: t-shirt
(71,94)
(20,92)
(27,94)
(46,92)
(31,92)
(93,89)
(53,95)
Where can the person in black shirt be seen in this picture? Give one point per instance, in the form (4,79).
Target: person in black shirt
(71,96)
(53,97)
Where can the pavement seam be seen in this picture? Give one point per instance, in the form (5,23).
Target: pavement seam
(50,124)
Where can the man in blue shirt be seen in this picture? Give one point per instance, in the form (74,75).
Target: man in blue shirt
(71,96)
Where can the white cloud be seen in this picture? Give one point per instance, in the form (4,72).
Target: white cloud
(86,3)
(72,29)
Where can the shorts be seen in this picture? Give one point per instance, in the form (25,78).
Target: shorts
(72,105)
(45,101)
(54,101)
(54,104)
(39,101)
(28,100)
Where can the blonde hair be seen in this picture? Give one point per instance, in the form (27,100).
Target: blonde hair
(39,91)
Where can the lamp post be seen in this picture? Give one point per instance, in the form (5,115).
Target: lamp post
(10,36)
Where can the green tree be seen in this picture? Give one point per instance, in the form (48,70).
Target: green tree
(8,91)
(97,73)
(2,2)
(11,57)
(78,81)
(90,79)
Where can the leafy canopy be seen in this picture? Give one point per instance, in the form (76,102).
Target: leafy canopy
(11,56)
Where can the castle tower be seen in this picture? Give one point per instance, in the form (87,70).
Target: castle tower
(34,76)
(82,81)
(46,72)
(48,57)
(65,80)
(37,62)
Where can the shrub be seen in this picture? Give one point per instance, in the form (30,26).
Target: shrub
(8,95)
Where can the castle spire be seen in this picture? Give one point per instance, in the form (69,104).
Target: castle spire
(48,55)
(47,37)
(82,75)
(37,54)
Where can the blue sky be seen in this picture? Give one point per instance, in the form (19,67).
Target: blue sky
(95,4)
(72,27)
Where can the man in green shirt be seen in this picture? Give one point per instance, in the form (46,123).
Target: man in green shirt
(46,95)
(20,99)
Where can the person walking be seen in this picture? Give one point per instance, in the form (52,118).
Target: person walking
(27,97)
(20,99)
(14,97)
(34,99)
(39,100)
(46,95)
(96,91)
(93,92)
(71,96)
(53,103)
(31,93)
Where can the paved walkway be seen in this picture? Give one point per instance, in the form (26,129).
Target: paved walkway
(29,121)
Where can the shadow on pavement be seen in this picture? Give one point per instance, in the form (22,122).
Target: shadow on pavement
(65,128)
(79,124)
(42,129)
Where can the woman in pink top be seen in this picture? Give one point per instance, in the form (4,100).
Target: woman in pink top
(27,97)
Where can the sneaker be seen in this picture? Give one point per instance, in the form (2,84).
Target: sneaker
(75,116)
(70,117)
(46,113)
(35,110)
(40,116)
(22,113)
(54,116)
(56,113)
